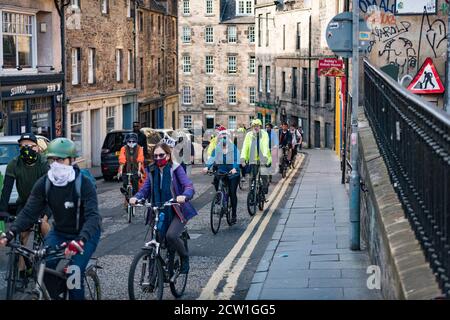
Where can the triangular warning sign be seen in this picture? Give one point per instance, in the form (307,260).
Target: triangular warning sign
(427,80)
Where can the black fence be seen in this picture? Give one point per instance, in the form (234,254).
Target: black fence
(414,139)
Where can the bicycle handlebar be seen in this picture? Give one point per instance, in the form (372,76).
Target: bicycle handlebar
(145,203)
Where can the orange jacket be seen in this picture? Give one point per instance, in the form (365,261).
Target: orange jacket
(123,157)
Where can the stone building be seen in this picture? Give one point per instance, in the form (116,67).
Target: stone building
(157,63)
(288,48)
(30,73)
(101,82)
(217,75)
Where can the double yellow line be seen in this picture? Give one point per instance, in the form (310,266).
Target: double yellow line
(226,270)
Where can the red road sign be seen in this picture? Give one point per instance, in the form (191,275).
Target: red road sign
(331,67)
(427,80)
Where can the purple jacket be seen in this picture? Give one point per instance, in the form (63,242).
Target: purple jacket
(181,186)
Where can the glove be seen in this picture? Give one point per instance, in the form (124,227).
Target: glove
(74,247)
(9,235)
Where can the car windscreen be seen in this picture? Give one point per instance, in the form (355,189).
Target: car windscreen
(7,152)
(114,141)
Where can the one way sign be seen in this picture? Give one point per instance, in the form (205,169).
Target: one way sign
(427,80)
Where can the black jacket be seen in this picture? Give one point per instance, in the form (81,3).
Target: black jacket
(285,138)
(63,202)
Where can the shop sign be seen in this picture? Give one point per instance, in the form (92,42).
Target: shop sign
(28,90)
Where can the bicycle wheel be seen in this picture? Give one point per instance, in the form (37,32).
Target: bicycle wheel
(179,281)
(92,289)
(251,202)
(261,201)
(146,278)
(284,169)
(12,275)
(129,208)
(216,212)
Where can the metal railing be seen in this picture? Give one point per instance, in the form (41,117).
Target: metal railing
(414,140)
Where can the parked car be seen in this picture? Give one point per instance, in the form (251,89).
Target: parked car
(114,140)
(9,148)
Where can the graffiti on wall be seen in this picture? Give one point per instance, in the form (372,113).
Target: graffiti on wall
(402,40)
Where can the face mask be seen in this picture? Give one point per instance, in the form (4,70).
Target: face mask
(131,144)
(28,155)
(161,162)
(61,174)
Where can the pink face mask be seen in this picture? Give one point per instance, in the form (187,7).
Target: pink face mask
(161,162)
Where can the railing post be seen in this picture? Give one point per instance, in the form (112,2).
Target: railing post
(354,177)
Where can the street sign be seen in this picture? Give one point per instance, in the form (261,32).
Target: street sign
(427,80)
(331,67)
(339,35)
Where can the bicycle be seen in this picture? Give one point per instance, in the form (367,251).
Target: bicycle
(284,162)
(12,274)
(128,193)
(221,203)
(155,265)
(256,195)
(52,284)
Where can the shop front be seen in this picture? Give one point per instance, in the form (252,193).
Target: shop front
(265,112)
(31,107)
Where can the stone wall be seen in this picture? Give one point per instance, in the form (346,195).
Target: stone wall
(405,274)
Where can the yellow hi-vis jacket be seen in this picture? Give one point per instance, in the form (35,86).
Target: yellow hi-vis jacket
(249,147)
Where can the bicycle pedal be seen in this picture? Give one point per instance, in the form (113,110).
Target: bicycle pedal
(173,279)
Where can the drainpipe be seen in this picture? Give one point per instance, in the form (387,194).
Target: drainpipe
(60,5)
(354,177)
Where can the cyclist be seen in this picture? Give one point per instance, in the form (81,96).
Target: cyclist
(294,142)
(213,142)
(273,143)
(25,170)
(77,221)
(241,132)
(167,180)
(226,159)
(285,141)
(132,156)
(256,143)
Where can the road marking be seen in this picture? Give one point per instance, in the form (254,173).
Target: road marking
(222,272)
(231,283)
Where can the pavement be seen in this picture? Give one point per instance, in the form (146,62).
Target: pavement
(308,257)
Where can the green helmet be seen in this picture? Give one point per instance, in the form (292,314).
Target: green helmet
(61,148)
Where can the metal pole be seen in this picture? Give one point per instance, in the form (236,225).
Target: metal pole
(354,177)
(447,80)
(309,84)
(344,114)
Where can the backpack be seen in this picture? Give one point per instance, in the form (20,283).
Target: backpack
(78,181)
(88,174)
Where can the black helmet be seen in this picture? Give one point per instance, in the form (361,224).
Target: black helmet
(28,136)
(130,137)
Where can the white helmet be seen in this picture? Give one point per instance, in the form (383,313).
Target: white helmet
(169,141)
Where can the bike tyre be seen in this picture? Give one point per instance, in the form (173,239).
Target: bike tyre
(156,268)
(178,292)
(216,212)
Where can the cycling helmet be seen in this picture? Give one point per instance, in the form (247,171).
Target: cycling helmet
(131,137)
(256,122)
(62,148)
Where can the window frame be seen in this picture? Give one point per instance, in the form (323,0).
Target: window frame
(185,117)
(211,2)
(251,34)
(187,66)
(187,89)
(130,67)
(76,63)
(230,70)
(104,6)
(185,36)
(110,113)
(230,126)
(186,7)
(211,65)
(91,66)
(252,94)
(33,42)
(252,65)
(230,35)
(209,95)
(119,65)
(230,96)
(209,34)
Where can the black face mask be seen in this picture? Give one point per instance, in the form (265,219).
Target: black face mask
(28,155)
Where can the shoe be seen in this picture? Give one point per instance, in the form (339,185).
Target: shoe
(233,220)
(123,190)
(184,268)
